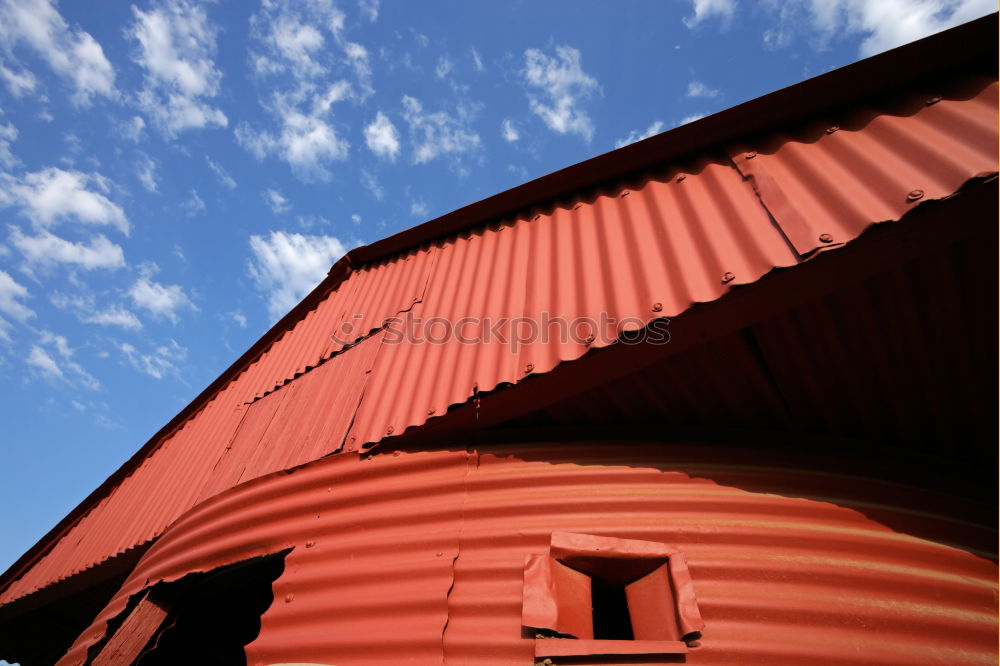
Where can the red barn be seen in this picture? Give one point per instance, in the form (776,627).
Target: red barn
(727,395)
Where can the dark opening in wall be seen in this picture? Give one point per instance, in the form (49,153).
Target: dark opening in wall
(202,618)
(612,620)
(214,615)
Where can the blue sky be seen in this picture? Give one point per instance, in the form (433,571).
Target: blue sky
(174,176)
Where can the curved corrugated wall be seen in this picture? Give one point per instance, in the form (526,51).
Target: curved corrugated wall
(418,557)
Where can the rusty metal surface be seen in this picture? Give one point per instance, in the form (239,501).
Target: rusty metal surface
(416,555)
(647,247)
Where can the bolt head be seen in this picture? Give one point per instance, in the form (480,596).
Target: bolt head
(590,338)
(310,544)
(832,129)
(288,598)
(529,367)
(728,277)
(657,307)
(825,238)
(681,177)
(430,412)
(751,155)
(915,195)
(389,430)
(934,100)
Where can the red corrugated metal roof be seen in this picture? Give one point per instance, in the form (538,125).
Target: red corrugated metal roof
(414,557)
(649,246)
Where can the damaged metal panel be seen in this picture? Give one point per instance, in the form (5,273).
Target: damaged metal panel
(359,306)
(362,560)
(828,181)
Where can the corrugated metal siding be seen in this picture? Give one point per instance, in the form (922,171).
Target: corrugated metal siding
(656,240)
(419,557)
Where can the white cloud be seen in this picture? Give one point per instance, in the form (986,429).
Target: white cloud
(371,184)
(162,301)
(223,175)
(11,293)
(47,249)
(175,47)
(18,83)
(194,204)
(157,364)
(65,368)
(297,40)
(52,195)
(307,142)
(382,137)
(557,87)
(277,201)
(705,9)
(690,119)
(39,359)
(438,133)
(8,134)
(114,316)
(699,89)
(146,173)
(508,131)
(887,24)
(70,52)
(87,311)
(134,129)
(369,9)
(286,266)
(636,135)
(444,67)
(418,209)
(238,317)
(477,61)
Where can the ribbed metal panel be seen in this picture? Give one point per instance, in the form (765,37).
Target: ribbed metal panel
(419,557)
(647,248)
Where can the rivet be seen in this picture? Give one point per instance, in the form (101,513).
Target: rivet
(577,206)
(728,277)
(694,644)
(625,193)
(439,553)
(832,129)
(590,338)
(529,367)
(536,217)
(751,155)
(681,177)
(388,430)
(395,454)
(288,598)
(915,195)
(353,438)
(825,238)
(934,100)
(310,544)
(657,307)
(430,412)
